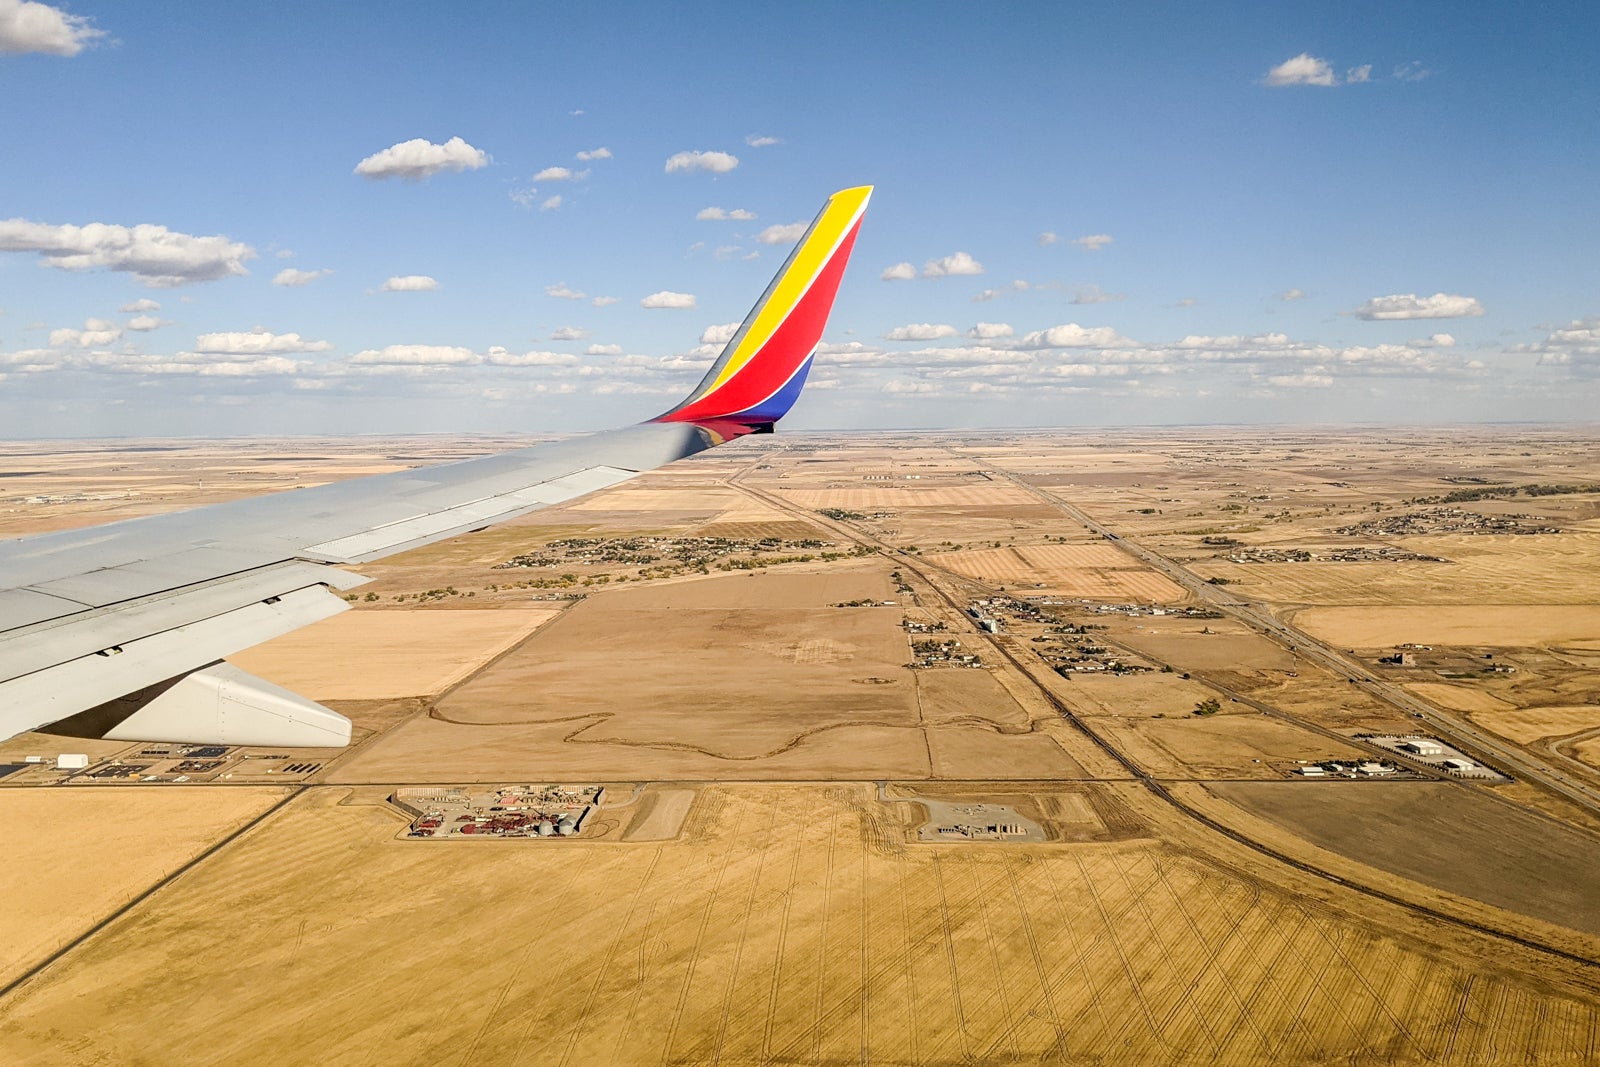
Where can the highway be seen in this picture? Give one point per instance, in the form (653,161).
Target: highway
(1463,735)
(937,580)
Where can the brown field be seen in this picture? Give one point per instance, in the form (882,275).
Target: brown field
(89,482)
(752,891)
(1588,751)
(1230,745)
(1559,569)
(381,655)
(1183,644)
(1133,695)
(790,924)
(1514,860)
(1525,725)
(909,495)
(783,685)
(73,856)
(1494,626)
(726,505)
(1095,571)
(1460,697)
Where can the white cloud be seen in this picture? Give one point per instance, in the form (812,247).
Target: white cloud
(719,335)
(668,299)
(1291,294)
(410,283)
(1306,379)
(1093,242)
(417,159)
(560,291)
(158,257)
(1413,71)
(96,333)
(551,204)
(1187,302)
(1232,342)
(1357,75)
(761,142)
(920,331)
(26,26)
(985,295)
(138,306)
(1049,237)
(782,234)
(296,278)
(1093,294)
(1071,335)
(560,174)
(146,323)
(958,263)
(198,364)
(602,301)
(502,358)
(717,214)
(899,272)
(1411,306)
(989,331)
(852,352)
(603,350)
(715,162)
(1303,69)
(418,356)
(570,333)
(257,343)
(1438,340)
(1575,346)
(595,153)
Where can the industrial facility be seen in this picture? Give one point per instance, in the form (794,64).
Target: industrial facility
(519,811)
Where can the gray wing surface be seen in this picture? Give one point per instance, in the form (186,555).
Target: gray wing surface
(118,630)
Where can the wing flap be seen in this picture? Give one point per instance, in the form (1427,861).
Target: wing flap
(57,641)
(24,607)
(45,696)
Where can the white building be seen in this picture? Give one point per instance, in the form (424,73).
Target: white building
(1422,746)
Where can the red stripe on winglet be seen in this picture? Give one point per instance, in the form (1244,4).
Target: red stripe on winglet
(784,351)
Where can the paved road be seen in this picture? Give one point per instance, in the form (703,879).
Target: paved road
(1458,732)
(1159,786)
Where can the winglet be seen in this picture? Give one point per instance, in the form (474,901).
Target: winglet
(758,376)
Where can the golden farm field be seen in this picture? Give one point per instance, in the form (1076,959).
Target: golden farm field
(1545,569)
(1096,571)
(75,855)
(787,925)
(377,655)
(909,495)
(1491,625)
(1530,724)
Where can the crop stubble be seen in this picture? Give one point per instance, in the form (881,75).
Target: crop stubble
(789,925)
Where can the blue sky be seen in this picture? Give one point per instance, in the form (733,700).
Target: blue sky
(1162,213)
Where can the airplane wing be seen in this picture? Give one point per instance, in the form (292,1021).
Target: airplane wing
(120,630)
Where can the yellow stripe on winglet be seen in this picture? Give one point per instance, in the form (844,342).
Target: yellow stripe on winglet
(838,215)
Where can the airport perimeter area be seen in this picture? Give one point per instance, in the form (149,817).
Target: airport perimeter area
(1253,747)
